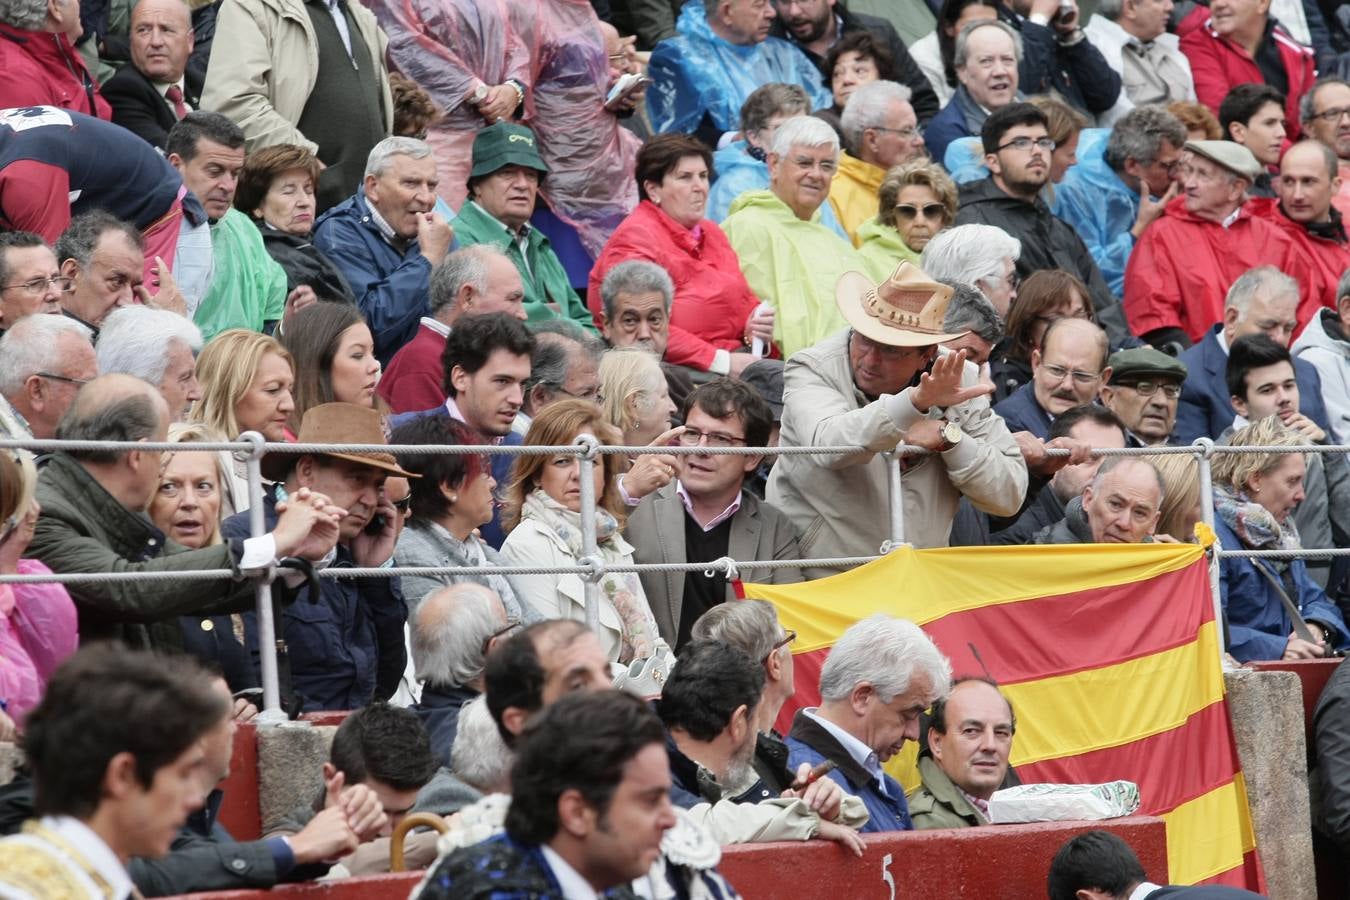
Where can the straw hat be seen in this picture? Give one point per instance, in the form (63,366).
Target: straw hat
(905,310)
(339,423)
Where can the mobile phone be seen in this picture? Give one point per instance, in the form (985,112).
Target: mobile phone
(376,524)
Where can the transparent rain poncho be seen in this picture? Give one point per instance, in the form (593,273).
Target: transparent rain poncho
(447,47)
(590,156)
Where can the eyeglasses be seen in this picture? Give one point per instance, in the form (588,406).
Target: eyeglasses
(1059,373)
(1023,144)
(692,437)
(929,210)
(887,352)
(594,396)
(1148,388)
(66,378)
(1332,115)
(510,626)
(908,134)
(403,504)
(785,641)
(38,286)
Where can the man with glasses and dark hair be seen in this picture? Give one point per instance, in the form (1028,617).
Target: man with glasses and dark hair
(44,360)
(1143,390)
(705,514)
(882,382)
(1067,371)
(30,278)
(1017,151)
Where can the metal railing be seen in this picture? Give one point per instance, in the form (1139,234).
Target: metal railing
(252,447)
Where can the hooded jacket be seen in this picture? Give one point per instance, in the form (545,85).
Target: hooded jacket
(1099,206)
(1219,65)
(1183,266)
(1048,242)
(791,263)
(882,249)
(736,172)
(853,193)
(1324,344)
(44,69)
(1323,246)
(697,74)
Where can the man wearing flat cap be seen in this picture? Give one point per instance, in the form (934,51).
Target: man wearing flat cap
(1143,391)
(881,382)
(345,646)
(503,185)
(1185,261)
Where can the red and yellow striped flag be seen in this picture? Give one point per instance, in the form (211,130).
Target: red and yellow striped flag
(1109,654)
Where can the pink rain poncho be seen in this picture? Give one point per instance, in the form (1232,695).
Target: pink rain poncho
(590,156)
(447,47)
(37,632)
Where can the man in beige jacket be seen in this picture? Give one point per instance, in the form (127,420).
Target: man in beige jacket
(308,73)
(878,384)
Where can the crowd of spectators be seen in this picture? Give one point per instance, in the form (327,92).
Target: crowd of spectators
(987,230)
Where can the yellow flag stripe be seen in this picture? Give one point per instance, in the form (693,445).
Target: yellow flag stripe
(1209,834)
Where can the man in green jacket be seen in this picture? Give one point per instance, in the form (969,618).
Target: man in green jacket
(970,739)
(93,521)
(503,185)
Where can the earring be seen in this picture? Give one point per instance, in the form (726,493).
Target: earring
(454,498)
(656,200)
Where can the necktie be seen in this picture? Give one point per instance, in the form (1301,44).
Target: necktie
(175,96)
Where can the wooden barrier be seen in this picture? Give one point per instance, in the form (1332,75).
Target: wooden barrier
(1004,861)
(239,810)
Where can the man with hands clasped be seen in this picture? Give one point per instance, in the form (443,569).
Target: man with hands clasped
(880,383)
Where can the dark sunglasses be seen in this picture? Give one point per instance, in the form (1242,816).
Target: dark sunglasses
(929,210)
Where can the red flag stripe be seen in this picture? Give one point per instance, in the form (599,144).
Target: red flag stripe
(1170,768)
(1049,636)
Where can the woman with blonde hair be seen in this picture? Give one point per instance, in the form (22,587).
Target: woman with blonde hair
(246,380)
(1181,496)
(38,624)
(916,200)
(636,399)
(1254,496)
(542,515)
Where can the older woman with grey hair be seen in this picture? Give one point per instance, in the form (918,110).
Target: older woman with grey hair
(982,255)
(916,201)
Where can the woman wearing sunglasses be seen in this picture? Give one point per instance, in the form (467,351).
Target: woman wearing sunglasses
(916,201)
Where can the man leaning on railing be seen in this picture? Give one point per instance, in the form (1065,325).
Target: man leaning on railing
(93,521)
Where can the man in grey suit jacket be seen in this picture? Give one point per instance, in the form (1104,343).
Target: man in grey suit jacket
(705,514)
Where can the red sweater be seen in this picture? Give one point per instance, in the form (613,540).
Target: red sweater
(413,379)
(1182,266)
(712,298)
(1326,259)
(1218,65)
(44,69)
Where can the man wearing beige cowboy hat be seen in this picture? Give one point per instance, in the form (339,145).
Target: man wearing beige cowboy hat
(344,647)
(877,384)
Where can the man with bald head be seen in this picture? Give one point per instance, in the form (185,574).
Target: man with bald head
(93,520)
(1067,371)
(453,630)
(156,89)
(1121,505)
(1302,208)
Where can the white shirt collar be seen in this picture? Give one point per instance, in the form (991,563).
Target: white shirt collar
(862,754)
(95,852)
(573,886)
(1232,217)
(715,520)
(1143,890)
(385,228)
(1223,341)
(437,326)
(163,87)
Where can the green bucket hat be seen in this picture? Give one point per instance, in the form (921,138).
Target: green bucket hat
(505,144)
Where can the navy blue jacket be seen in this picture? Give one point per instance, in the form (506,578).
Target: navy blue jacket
(808,742)
(1023,412)
(390,285)
(1080,73)
(948,125)
(346,646)
(1205,410)
(1258,625)
(501,470)
(439,711)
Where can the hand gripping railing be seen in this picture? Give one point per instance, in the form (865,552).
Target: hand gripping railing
(251,448)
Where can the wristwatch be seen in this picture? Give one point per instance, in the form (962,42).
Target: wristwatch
(951,436)
(479,94)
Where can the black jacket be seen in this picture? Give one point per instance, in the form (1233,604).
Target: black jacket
(1331,746)
(1078,72)
(907,71)
(306,264)
(138,106)
(439,711)
(1048,242)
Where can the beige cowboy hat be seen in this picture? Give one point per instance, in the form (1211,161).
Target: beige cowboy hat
(905,310)
(339,423)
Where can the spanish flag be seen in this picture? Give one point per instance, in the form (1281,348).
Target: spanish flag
(1109,655)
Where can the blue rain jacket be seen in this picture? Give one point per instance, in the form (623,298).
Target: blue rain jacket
(1100,207)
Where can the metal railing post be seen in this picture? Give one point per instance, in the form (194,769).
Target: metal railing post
(1204,452)
(897,498)
(590,550)
(271,713)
